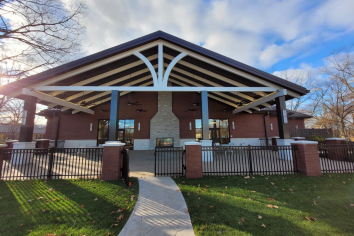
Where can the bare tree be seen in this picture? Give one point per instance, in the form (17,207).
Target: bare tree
(38,34)
(12,112)
(305,79)
(341,67)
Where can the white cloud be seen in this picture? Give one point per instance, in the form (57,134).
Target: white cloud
(260,33)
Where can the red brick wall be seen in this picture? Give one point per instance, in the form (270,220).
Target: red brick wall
(194,161)
(77,126)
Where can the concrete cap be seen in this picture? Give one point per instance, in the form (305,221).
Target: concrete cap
(11,141)
(43,139)
(113,141)
(3,145)
(192,143)
(304,142)
(344,139)
(298,137)
(274,137)
(113,144)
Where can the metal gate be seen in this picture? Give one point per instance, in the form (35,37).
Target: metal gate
(169,161)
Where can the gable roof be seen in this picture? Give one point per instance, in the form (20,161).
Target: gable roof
(145,40)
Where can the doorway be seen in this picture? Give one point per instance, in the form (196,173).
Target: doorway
(214,134)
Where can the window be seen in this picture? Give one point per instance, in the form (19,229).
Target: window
(218,130)
(102,135)
(125,131)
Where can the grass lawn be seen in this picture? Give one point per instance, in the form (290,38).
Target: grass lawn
(271,205)
(65,207)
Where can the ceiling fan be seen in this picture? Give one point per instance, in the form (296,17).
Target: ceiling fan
(141,110)
(196,103)
(85,104)
(192,110)
(240,103)
(133,103)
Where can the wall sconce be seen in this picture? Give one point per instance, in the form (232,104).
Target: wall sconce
(271,126)
(139,126)
(90,126)
(190,125)
(233,125)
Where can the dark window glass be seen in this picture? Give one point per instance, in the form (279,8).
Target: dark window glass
(218,130)
(125,132)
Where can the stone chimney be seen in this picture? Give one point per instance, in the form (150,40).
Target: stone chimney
(164,124)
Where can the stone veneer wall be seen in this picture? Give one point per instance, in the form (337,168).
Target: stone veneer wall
(164,124)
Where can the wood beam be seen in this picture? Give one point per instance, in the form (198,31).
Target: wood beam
(212,74)
(210,95)
(108,92)
(229,68)
(91,66)
(154,89)
(267,98)
(112,72)
(58,101)
(109,98)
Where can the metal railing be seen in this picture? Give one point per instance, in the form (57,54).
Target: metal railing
(50,163)
(336,158)
(169,161)
(248,160)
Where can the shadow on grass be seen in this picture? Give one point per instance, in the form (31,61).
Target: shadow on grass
(65,207)
(235,198)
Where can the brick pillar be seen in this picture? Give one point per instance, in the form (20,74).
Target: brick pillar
(193,160)
(335,141)
(341,154)
(307,158)
(112,160)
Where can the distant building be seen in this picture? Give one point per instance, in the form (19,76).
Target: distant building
(9,131)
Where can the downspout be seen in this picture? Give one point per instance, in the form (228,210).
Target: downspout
(57,131)
(265,127)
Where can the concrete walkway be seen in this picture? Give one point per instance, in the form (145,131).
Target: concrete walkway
(160,210)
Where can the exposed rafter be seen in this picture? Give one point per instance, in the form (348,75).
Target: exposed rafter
(154,89)
(48,98)
(267,98)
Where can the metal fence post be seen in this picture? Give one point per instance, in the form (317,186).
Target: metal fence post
(50,165)
(125,169)
(250,159)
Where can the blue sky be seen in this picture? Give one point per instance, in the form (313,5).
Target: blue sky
(271,35)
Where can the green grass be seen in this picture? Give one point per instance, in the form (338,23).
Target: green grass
(65,207)
(231,205)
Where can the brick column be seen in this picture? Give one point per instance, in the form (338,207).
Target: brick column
(193,160)
(112,160)
(307,158)
(335,141)
(341,154)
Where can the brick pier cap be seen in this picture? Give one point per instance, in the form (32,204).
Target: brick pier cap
(308,160)
(112,160)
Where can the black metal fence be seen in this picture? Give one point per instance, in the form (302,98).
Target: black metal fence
(249,160)
(169,161)
(50,163)
(336,158)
